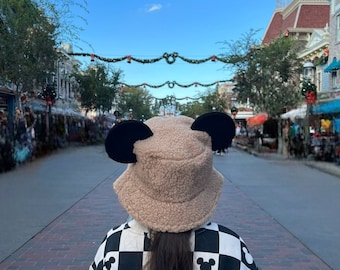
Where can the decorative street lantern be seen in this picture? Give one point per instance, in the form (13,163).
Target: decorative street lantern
(308,71)
(308,89)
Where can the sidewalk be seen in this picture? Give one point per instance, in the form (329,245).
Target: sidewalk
(324,166)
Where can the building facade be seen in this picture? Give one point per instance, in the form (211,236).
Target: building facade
(317,53)
(333,68)
(66,85)
(297,19)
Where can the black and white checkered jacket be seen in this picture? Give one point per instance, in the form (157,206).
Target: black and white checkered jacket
(214,247)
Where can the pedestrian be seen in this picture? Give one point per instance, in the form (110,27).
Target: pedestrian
(116,117)
(170,190)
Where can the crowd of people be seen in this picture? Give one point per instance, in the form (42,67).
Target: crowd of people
(33,134)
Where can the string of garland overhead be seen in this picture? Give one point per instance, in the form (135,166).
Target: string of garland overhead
(173,84)
(170,58)
(176,98)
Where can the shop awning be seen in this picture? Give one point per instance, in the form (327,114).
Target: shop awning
(7,91)
(335,65)
(38,105)
(328,107)
(258,119)
(298,113)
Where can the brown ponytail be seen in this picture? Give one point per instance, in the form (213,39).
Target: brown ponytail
(170,251)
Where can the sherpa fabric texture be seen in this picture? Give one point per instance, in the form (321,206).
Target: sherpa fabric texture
(173,186)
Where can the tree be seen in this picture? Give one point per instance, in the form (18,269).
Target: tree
(193,109)
(30,32)
(98,87)
(268,75)
(63,15)
(27,44)
(137,102)
(214,101)
(211,100)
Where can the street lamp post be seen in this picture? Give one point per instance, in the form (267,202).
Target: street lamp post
(130,114)
(309,92)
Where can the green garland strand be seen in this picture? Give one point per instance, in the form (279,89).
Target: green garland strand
(170,58)
(173,84)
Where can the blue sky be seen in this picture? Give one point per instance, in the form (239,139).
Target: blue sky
(192,28)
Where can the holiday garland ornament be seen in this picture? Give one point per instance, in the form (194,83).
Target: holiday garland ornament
(170,58)
(173,84)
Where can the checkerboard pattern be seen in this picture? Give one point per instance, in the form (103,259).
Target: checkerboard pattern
(215,247)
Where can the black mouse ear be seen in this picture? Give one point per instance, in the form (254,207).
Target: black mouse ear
(219,126)
(119,142)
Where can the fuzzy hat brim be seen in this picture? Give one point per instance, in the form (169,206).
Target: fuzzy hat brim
(164,216)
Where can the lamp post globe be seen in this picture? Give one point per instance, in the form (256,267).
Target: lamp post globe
(308,71)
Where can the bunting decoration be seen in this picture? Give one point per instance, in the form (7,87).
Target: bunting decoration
(170,58)
(173,84)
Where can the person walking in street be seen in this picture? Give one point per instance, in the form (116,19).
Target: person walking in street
(170,190)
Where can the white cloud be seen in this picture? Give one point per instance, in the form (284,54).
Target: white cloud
(154,7)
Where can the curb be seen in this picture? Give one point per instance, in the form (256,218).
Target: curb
(324,167)
(327,167)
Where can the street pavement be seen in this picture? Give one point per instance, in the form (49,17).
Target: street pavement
(56,210)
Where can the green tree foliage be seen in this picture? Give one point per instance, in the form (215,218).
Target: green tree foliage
(136,101)
(214,101)
(211,100)
(68,17)
(30,32)
(27,43)
(193,109)
(98,87)
(267,75)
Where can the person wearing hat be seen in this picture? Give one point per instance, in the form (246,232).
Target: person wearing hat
(170,190)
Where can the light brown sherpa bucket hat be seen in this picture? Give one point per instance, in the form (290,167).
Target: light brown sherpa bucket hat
(170,184)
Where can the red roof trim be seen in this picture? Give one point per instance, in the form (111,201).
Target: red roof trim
(310,16)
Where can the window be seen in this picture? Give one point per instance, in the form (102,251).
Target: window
(337,28)
(318,81)
(336,6)
(334,79)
